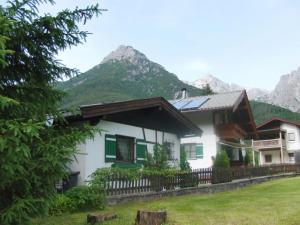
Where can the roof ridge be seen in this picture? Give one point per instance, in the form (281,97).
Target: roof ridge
(223,93)
(279,119)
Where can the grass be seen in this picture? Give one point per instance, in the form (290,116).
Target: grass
(274,202)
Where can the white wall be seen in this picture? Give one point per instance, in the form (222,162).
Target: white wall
(209,139)
(275,157)
(93,152)
(291,145)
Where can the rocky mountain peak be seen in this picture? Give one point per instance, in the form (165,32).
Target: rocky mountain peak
(287,92)
(220,86)
(124,52)
(216,84)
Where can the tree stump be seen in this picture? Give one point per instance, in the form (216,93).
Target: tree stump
(93,219)
(145,217)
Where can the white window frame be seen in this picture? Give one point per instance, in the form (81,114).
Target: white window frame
(190,149)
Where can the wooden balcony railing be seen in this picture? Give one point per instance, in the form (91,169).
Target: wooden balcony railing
(270,143)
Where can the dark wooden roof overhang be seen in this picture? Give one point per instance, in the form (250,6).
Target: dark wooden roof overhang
(243,116)
(275,122)
(153,113)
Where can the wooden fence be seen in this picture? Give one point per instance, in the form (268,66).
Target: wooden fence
(118,185)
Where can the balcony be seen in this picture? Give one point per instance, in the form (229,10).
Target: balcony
(230,131)
(269,144)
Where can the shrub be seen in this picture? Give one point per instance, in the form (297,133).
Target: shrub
(247,158)
(84,197)
(61,204)
(221,171)
(159,159)
(184,164)
(78,198)
(221,160)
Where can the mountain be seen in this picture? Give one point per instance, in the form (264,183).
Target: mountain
(128,74)
(287,92)
(264,111)
(216,84)
(124,74)
(220,86)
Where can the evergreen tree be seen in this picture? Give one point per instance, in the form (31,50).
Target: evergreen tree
(206,90)
(221,160)
(184,164)
(34,155)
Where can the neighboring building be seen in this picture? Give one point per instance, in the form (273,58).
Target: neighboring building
(130,129)
(226,120)
(279,139)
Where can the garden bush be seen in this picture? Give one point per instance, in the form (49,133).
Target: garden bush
(159,158)
(221,171)
(221,160)
(184,164)
(61,204)
(78,199)
(85,197)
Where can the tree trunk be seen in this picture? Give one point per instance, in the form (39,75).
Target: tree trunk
(145,217)
(93,219)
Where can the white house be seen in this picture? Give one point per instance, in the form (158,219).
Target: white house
(130,129)
(226,120)
(279,139)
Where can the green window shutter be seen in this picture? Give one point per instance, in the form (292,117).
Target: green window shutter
(199,151)
(141,151)
(110,148)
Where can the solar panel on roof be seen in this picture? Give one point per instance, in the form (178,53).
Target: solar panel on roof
(180,104)
(195,103)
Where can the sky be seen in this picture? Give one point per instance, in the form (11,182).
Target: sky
(247,42)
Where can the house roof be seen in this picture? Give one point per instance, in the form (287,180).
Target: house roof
(215,101)
(235,101)
(274,122)
(153,113)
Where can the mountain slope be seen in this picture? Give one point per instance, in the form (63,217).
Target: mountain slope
(220,86)
(264,111)
(124,74)
(287,92)
(127,74)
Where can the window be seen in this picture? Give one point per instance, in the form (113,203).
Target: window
(169,147)
(193,151)
(268,158)
(291,136)
(125,149)
(291,157)
(190,151)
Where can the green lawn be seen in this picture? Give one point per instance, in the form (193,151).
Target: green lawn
(274,202)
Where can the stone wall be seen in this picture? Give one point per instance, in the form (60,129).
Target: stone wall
(203,189)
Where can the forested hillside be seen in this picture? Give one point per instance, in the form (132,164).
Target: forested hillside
(264,111)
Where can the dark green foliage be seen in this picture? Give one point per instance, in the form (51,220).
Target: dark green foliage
(159,159)
(61,204)
(264,111)
(114,82)
(248,157)
(221,171)
(78,199)
(86,197)
(184,164)
(221,160)
(33,155)
(206,90)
